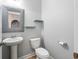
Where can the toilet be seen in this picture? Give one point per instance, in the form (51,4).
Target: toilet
(41,53)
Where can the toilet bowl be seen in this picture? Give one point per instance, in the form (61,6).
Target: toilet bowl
(42,53)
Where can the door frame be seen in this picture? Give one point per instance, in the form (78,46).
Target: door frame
(0,32)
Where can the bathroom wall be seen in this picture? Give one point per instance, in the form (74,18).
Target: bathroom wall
(58,16)
(32,12)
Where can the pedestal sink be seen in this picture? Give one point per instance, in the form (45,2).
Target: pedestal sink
(13,42)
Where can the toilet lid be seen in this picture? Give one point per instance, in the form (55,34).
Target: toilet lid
(42,52)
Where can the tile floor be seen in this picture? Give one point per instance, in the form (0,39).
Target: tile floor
(34,57)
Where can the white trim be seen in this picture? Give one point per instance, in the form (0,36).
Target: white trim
(78,28)
(75,25)
(0,31)
(27,56)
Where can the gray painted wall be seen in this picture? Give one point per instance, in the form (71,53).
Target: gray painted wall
(58,18)
(33,11)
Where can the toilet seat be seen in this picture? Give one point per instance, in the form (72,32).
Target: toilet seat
(41,52)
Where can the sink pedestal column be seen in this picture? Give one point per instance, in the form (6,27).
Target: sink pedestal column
(14,52)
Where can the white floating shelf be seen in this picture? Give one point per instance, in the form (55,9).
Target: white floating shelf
(29,26)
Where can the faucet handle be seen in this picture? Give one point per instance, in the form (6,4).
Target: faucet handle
(1,43)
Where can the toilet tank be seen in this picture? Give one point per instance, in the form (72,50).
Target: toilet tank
(35,43)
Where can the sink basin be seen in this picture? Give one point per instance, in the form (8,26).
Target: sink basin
(13,41)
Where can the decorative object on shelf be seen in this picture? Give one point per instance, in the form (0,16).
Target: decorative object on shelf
(12,19)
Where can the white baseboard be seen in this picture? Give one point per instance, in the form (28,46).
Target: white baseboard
(27,56)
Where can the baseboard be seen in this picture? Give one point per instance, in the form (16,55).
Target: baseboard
(27,56)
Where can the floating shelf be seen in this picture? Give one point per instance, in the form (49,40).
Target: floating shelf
(29,26)
(38,20)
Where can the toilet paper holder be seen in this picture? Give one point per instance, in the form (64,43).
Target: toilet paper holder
(62,43)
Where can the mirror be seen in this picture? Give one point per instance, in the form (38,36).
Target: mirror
(12,19)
